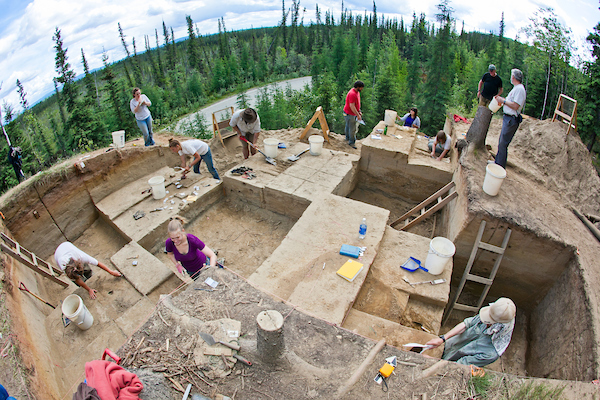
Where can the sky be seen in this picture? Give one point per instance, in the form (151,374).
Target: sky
(27,27)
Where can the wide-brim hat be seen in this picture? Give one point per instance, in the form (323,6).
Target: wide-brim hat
(249,115)
(501,311)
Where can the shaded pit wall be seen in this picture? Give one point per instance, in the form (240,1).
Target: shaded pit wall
(562,344)
(28,316)
(58,204)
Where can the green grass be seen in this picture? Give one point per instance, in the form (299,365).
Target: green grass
(495,387)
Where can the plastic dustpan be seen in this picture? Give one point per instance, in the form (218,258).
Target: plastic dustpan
(412,264)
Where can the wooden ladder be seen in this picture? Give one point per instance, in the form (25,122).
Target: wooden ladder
(468,276)
(571,120)
(217,125)
(24,256)
(320,115)
(422,210)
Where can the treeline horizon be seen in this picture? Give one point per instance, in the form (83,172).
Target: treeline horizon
(419,63)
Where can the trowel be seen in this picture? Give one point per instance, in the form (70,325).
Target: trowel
(297,156)
(433,282)
(211,341)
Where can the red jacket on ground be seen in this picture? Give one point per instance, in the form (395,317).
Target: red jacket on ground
(111,381)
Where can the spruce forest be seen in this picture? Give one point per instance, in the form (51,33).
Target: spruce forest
(430,63)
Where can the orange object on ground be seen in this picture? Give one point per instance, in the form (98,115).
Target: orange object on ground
(476,371)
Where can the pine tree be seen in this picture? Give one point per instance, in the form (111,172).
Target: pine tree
(192,45)
(588,112)
(66,76)
(91,89)
(22,96)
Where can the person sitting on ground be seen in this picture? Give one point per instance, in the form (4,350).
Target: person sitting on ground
(199,150)
(186,250)
(441,145)
(76,265)
(411,119)
(247,124)
(482,339)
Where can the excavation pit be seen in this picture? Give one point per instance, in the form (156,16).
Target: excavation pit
(282,231)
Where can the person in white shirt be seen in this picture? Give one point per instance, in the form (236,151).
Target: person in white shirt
(197,149)
(513,104)
(139,106)
(247,124)
(440,145)
(76,265)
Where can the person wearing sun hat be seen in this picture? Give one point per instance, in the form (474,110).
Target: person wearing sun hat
(246,123)
(482,339)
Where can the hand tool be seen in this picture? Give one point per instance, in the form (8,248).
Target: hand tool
(23,288)
(297,156)
(211,341)
(267,158)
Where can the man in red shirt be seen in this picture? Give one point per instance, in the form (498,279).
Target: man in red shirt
(352,112)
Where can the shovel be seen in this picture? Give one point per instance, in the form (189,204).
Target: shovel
(211,341)
(297,156)
(267,158)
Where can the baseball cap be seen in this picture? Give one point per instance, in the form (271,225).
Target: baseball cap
(492,67)
(501,311)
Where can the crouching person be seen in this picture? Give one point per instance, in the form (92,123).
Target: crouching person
(482,339)
(76,265)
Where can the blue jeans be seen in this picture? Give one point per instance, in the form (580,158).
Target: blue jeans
(509,128)
(350,128)
(207,158)
(145,126)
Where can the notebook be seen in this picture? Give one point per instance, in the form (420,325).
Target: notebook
(350,270)
(350,251)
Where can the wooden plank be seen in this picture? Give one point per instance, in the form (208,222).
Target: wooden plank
(27,263)
(562,114)
(424,203)
(479,279)
(464,307)
(491,247)
(311,122)
(324,126)
(431,210)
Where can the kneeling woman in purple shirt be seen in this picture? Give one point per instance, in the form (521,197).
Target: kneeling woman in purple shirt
(186,250)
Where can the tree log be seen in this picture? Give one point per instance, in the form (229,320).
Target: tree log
(269,335)
(479,127)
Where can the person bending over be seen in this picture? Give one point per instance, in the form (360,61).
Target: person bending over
(199,150)
(76,265)
(247,124)
(186,250)
(482,339)
(440,146)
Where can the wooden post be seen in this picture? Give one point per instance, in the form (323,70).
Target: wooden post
(479,127)
(269,335)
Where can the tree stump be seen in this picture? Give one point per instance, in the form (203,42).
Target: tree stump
(269,335)
(479,127)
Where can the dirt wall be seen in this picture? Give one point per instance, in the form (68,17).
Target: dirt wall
(58,205)
(562,343)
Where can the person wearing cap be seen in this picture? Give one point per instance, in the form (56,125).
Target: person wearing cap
(512,106)
(246,123)
(490,85)
(482,339)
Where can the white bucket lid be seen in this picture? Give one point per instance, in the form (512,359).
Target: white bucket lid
(156,180)
(496,171)
(442,247)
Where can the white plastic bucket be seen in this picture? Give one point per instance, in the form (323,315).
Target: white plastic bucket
(390,117)
(494,175)
(316,144)
(441,251)
(494,105)
(76,311)
(271,147)
(118,139)
(157,184)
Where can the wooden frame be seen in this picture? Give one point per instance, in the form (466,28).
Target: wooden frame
(320,115)
(223,124)
(422,208)
(26,257)
(566,118)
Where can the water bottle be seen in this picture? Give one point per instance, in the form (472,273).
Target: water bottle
(362,231)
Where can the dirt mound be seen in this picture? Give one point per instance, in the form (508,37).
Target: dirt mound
(558,161)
